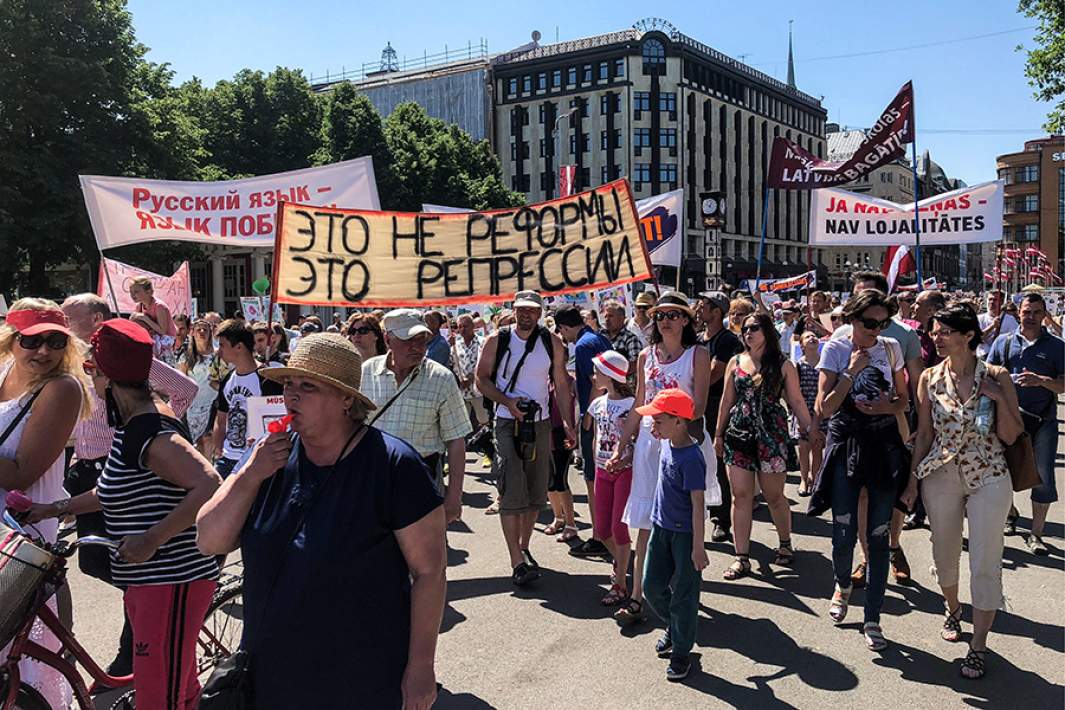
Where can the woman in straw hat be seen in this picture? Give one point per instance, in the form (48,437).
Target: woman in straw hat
(342,535)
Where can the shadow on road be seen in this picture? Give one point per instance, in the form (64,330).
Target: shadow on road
(460,701)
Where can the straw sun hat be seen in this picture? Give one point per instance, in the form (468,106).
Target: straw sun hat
(328,358)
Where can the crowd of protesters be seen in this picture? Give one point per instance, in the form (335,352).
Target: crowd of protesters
(676,411)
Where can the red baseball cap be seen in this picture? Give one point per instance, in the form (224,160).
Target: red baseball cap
(31,321)
(122,351)
(670,401)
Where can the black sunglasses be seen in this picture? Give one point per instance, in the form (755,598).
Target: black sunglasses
(54,341)
(669,315)
(361,330)
(751,329)
(874,324)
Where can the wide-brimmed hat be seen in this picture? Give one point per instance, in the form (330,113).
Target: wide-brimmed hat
(645,299)
(612,364)
(328,358)
(673,299)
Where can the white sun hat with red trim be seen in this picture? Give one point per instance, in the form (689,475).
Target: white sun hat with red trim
(612,364)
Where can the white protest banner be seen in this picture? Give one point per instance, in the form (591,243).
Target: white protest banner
(174,291)
(278,316)
(970,214)
(802,281)
(3,305)
(232,212)
(252,307)
(330,256)
(262,411)
(662,227)
(194,308)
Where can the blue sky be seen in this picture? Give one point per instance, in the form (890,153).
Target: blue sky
(964,90)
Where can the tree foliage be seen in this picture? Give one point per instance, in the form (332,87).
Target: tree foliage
(1046,62)
(77,96)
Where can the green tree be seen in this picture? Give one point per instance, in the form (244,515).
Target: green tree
(352,128)
(65,109)
(1046,62)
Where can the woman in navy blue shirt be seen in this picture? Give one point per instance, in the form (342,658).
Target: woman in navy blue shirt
(343,609)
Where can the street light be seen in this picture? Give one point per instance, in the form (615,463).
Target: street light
(558,143)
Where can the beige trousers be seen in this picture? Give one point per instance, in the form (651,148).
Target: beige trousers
(948,502)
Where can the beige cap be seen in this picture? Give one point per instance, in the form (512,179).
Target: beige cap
(404,323)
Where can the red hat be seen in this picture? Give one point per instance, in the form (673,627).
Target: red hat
(122,351)
(31,321)
(670,401)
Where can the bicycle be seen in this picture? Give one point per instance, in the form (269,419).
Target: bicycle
(31,570)
(223,625)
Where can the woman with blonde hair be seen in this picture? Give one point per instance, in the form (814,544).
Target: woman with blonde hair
(43,393)
(153,316)
(202,364)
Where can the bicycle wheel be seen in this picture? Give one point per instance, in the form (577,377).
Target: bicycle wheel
(222,629)
(27,698)
(126,701)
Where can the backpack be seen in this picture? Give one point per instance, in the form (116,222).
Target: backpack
(503,348)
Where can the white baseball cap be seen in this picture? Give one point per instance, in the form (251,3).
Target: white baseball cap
(404,323)
(612,364)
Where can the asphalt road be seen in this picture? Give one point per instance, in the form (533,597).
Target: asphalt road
(763,642)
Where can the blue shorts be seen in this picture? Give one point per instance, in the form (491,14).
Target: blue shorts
(1045,443)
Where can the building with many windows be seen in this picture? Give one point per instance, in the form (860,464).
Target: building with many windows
(1035,198)
(668,112)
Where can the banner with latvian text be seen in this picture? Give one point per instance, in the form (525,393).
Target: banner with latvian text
(841,218)
(328,256)
(231,212)
(795,168)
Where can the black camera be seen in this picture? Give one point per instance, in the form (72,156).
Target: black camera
(527,425)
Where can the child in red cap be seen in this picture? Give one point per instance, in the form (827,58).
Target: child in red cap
(675,551)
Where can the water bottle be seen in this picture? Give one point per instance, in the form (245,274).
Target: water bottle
(985,415)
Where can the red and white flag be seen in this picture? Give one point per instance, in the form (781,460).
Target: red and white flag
(1011,253)
(1032,251)
(1009,262)
(988,277)
(567,177)
(897,262)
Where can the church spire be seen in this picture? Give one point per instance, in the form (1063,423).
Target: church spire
(791,59)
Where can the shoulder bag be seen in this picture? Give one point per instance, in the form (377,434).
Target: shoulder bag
(1020,455)
(229,687)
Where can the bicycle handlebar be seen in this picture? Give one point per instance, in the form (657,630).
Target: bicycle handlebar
(15,525)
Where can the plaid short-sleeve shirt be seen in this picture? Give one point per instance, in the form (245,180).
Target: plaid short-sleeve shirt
(429,413)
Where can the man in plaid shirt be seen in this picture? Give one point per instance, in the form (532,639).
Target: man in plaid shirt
(621,338)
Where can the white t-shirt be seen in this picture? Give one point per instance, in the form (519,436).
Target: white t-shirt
(609,416)
(232,403)
(1009,324)
(877,378)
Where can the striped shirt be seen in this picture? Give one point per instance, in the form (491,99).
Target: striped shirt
(92,436)
(134,499)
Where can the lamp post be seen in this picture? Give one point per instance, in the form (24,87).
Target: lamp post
(558,145)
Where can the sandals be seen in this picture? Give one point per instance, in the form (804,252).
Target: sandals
(785,555)
(975,661)
(492,509)
(631,613)
(874,636)
(555,527)
(740,567)
(805,491)
(615,596)
(568,533)
(951,630)
(837,610)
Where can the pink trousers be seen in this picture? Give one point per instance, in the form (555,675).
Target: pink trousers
(611,495)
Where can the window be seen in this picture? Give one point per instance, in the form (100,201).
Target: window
(667,172)
(1031,232)
(513,150)
(641,101)
(581,104)
(526,84)
(1029,173)
(512,87)
(642,173)
(520,183)
(541,81)
(545,182)
(605,106)
(587,74)
(584,178)
(654,52)
(667,138)
(556,78)
(667,101)
(617,137)
(641,138)
(619,68)
(571,77)
(604,71)
(604,140)
(543,147)
(543,112)
(1005,174)
(1031,203)
(604,175)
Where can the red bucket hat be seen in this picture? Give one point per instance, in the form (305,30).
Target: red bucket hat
(122,350)
(29,321)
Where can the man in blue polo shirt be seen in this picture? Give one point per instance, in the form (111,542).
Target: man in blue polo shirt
(1036,363)
(587,344)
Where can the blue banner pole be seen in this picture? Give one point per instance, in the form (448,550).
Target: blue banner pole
(761,242)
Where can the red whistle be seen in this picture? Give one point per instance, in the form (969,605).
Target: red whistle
(279,425)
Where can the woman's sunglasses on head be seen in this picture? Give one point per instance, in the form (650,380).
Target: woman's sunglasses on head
(54,341)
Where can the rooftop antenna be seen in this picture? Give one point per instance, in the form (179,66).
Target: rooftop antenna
(791,58)
(389,60)
(743,57)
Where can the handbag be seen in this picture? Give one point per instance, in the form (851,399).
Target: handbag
(744,441)
(1020,460)
(229,687)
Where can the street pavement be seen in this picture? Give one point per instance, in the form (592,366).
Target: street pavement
(763,642)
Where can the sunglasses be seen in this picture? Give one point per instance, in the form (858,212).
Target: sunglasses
(874,324)
(751,329)
(836,317)
(669,315)
(361,330)
(54,341)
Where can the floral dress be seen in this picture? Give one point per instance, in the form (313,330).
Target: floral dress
(753,411)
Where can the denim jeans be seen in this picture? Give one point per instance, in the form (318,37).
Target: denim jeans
(845,494)
(1045,443)
(587,454)
(671,586)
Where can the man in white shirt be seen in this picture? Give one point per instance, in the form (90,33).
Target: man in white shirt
(994,322)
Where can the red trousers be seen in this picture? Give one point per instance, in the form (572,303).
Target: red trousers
(166,620)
